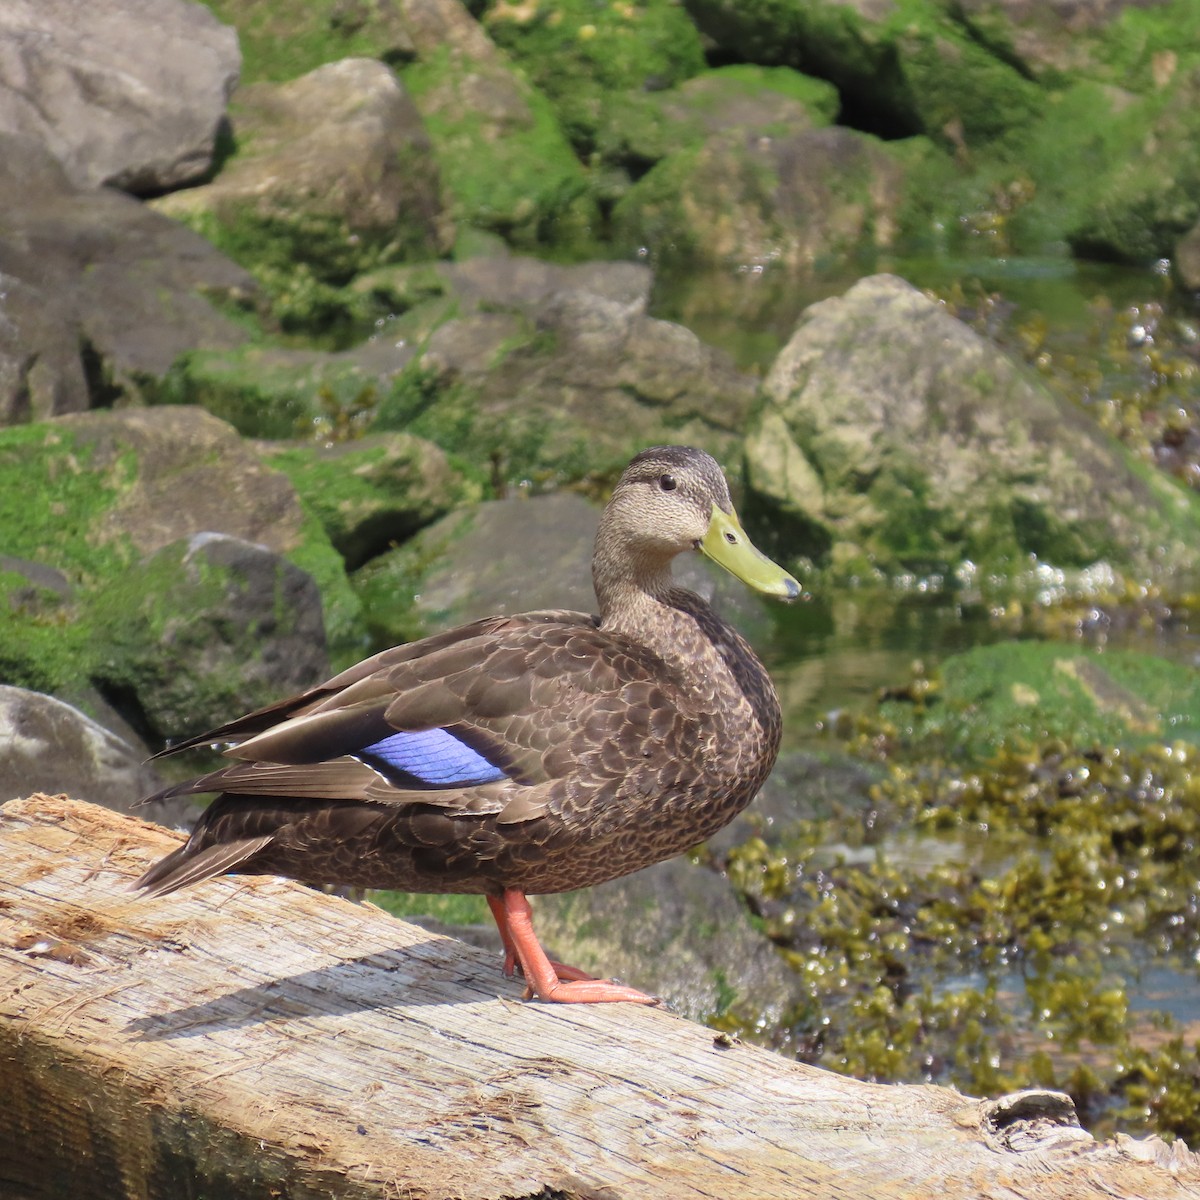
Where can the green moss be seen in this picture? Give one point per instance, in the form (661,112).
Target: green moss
(43,644)
(280,41)
(817,95)
(345,633)
(1142,40)
(50,497)
(525,184)
(369,495)
(255,403)
(578,53)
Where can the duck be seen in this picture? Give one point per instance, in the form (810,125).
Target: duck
(517,755)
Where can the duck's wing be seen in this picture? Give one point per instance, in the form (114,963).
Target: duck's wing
(481,721)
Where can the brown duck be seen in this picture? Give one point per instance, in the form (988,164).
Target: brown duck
(518,754)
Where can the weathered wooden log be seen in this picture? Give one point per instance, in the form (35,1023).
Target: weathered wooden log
(253,1038)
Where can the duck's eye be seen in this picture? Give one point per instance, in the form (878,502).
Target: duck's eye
(667,483)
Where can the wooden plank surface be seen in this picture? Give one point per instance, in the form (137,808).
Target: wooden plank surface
(255,1038)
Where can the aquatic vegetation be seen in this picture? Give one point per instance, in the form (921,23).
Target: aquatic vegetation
(995,925)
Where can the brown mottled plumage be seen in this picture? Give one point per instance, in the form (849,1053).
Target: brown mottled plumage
(578,748)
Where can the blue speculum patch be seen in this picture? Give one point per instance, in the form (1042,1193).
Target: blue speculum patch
(433,757)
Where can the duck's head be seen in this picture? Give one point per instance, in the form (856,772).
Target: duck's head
(673,498)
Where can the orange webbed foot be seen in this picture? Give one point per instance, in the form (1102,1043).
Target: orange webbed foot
(548,980)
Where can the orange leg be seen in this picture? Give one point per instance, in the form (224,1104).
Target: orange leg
(496,904)
(546,979)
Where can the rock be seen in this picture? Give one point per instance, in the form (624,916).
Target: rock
(191,473)
(373,492)
(92,499)
(911,69)
(641,128)
(99,292)
(126,94)
(896,439)
(579,391)
(207,628)
(334,170)
(509,282)
(791,201)
(51,747)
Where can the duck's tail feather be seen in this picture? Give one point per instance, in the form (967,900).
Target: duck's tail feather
(189,865)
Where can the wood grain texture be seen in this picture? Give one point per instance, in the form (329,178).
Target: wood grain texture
(252,1038)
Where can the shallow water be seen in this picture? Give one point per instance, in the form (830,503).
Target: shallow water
(838,650)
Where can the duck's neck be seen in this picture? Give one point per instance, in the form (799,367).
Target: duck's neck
(633,595)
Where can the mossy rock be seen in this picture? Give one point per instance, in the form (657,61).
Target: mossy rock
(638,129)
(207,627)
(1027,693)
(94,497)
(1131,45)
(792,202)
(329,175)
(508,165)
(278,393)
(1149,198)
(375,492)
(579,54)
(906,68)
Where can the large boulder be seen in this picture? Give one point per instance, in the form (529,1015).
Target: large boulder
(100,293)
(126,94)
(102,512)
(334,171)
(894,439)
(742,198)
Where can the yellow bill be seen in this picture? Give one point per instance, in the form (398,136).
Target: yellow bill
(726,543)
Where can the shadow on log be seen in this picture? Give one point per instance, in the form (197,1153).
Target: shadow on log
(252,1039)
